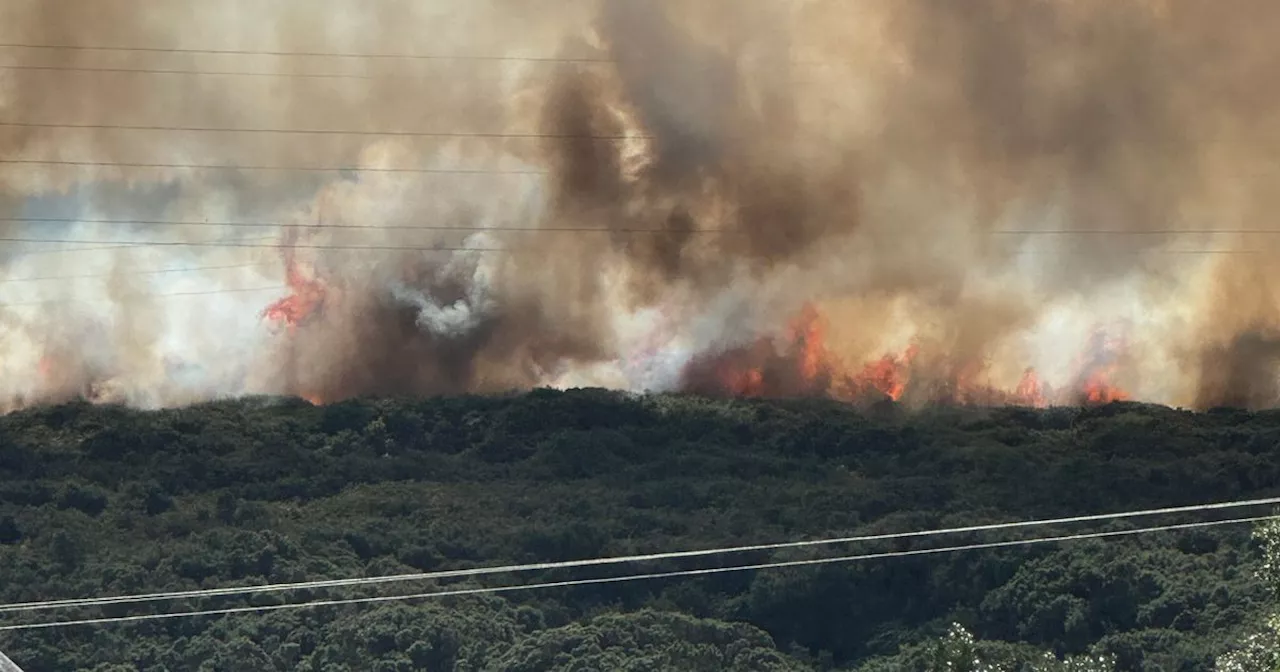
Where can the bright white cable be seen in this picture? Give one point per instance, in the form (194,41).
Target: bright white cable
(634,577)
(673,555)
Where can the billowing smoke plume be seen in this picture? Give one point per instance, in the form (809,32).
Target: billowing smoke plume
(990,201)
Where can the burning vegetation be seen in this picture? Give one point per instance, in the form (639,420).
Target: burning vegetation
(800,364)
(306,296)
(988,202)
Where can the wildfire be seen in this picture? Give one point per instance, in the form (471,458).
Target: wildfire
(308,294)
(748,383)
(1097,371)
(1098,390)
(799,363)
(1030,390)
(808,333)
(888,376)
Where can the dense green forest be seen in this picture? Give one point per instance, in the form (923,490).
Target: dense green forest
(99,500)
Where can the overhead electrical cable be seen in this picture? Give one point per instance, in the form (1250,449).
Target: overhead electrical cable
(305,54)
(144,296)
(630,577)
(222,166)
(629,559)
(316,131)
(111,244)
(436,227)
(321,226)
(189,72)
(114,244)
(151,271)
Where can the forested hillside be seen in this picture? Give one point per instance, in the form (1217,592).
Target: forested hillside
(103,500)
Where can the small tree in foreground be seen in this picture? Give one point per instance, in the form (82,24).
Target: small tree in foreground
(1260,651)
(961,652)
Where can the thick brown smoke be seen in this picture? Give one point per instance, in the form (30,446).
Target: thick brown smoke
(921,198)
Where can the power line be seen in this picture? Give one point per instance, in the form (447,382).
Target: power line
(373,56)
(218,166)
(142,296)
(1124,232)
(353,227)
(219,267)
(100,248)
(157,271)
(430,227)
(214,73)
(7,665)
(635,577)
(30,253)
(111,244)
(1211,251)
(311,54)
(594,562)
(317,131)
(271,75)
(233,73)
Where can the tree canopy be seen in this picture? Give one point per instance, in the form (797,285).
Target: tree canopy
(102,500)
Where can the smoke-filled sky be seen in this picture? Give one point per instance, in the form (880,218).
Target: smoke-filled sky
(595,192)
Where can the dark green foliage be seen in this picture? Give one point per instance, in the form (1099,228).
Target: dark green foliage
(92,501)
(646,641)
(103,500)
(9,532)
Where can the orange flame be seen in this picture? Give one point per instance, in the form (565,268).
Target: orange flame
(308,295)
(1030,391)
(801,364)
(748,383)
(809,334)
(1096,372)
(292,310)
(888,376)
(1099,390)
